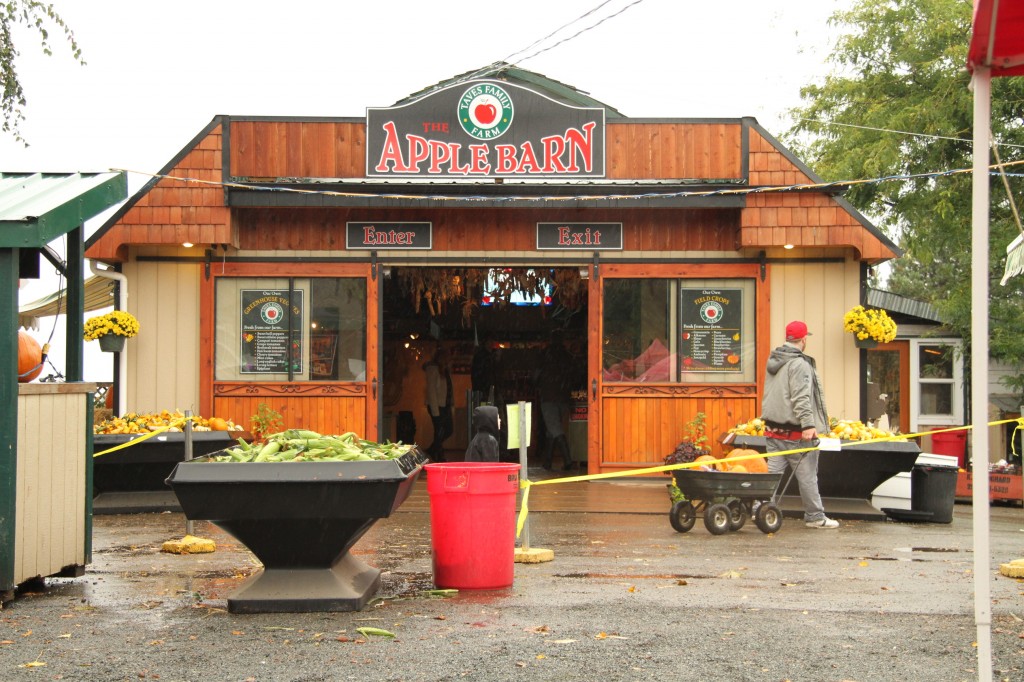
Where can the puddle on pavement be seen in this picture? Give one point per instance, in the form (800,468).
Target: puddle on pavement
(907,550)
(417,586)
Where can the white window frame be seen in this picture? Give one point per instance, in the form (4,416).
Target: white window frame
(918,420)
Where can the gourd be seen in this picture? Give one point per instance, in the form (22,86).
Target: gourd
(754,465)
(30,356)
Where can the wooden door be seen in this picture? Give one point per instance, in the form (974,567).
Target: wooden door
(888,375)
(333,380)
(636,420)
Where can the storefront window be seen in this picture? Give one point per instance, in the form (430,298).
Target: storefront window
(935,364)
(290,329)
(679,330)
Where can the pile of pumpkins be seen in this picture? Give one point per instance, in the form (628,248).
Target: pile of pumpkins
(756,464)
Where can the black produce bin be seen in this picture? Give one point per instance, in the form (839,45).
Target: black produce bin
(932,489)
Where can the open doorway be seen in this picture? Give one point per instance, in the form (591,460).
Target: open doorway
(506,315)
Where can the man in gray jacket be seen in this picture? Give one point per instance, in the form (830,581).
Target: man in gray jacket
(794,414)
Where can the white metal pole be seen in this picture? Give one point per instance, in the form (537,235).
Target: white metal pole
(979,369)
(525,535)
(189,524)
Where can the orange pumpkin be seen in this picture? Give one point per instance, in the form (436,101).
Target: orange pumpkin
(709,461)
(218,424)
(30,358)
(737,469)
(754,465)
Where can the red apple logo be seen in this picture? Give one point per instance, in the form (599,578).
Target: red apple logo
(485,113)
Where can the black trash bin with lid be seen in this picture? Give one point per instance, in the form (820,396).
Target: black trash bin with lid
(933,489)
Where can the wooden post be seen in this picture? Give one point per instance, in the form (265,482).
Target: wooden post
(9,415)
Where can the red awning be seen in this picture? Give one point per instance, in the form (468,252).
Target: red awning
(997,39)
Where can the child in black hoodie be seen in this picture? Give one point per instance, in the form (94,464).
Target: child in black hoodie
(486,426)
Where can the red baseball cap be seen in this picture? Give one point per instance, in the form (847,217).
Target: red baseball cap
(796,330)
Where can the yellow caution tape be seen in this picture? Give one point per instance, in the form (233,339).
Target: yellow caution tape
(142,437)
(525,484)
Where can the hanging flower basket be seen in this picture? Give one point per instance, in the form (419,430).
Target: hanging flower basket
(112,343)
(111,329)
(869,327)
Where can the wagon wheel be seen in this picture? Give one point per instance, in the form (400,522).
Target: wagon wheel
(737,514)
(717,518)
(768,518)
(682,517)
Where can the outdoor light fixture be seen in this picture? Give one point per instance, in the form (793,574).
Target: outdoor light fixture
(787,246)
(187,245)
(584,272)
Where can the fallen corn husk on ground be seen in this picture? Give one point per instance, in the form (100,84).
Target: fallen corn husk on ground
(189,544)
(1014,569)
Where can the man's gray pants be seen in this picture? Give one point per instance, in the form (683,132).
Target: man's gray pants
(805,466)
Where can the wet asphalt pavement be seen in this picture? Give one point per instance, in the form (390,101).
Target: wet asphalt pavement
(626,598)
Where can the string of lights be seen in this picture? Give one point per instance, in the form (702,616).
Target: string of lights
(766,189)
(905,132)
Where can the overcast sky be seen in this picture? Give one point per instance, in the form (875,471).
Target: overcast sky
(157,72)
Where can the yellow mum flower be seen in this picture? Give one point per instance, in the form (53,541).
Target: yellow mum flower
(118,322)
(869,323)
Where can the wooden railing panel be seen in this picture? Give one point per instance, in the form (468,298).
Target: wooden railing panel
(325,408)
(641,428)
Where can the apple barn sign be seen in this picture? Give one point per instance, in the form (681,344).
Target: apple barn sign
(481,129)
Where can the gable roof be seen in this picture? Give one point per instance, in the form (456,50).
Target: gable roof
(560,92)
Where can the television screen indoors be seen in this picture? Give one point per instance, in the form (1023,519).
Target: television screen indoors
(497,276)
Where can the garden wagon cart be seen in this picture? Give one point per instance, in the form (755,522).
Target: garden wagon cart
(726,500)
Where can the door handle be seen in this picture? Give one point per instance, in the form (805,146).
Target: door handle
(593,388)
(373,385)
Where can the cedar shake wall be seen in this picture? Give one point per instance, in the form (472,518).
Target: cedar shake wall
(174,211)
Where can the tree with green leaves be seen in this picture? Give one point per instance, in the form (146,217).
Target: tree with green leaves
(897,105)
(36,16)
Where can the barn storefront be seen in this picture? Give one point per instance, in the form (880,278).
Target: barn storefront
(328,258)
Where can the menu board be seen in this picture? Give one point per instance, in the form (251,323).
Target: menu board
(710,323)
(271,331)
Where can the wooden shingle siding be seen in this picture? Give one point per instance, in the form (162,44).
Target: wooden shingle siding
(646,230)
(808,220)
(768,166)
(175,211)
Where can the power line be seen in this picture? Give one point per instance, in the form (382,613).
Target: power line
(494,67)
(905,132)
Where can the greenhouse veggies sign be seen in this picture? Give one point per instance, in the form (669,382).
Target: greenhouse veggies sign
(485,129)
(271,331)
(711,321)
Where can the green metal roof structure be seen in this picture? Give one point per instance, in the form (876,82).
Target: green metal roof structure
(35,209)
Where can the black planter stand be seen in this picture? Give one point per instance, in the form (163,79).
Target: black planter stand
(300,519)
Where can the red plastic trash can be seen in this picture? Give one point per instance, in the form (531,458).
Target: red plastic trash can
(473,523)
(951,443)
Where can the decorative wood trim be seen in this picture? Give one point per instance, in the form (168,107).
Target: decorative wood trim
(298,389)
(681,390)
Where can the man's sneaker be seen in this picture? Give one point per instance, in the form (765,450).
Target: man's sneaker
(823,523)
